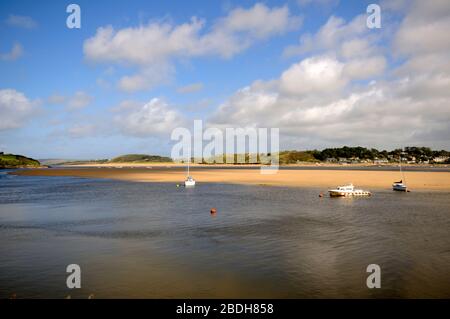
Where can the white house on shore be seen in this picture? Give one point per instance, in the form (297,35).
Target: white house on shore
(440,159)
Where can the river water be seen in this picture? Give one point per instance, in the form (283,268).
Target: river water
(156,240)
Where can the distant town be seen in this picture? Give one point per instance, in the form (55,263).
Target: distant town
(356,155)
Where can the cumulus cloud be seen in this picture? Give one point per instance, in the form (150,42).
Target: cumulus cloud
(365,68)
(161,43)
(190,88)
(77,101)
(150,119)
(147,78)
(320,101)
(328,3)
(127,105)
(19,21)
(423,30)
(313,75)
(15,53)
(15,109)
(344,39)
(56,99)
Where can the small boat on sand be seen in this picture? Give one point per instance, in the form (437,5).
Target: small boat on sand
(399,186)
(348,191)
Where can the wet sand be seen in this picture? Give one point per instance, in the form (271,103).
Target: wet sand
(439,181)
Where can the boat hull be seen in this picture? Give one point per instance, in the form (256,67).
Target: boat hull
(349,194)
(189,183)
(399,188)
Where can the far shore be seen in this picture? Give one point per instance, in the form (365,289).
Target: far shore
(301,164)
(323,178)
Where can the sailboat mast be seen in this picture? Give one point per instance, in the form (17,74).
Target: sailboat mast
(401,171)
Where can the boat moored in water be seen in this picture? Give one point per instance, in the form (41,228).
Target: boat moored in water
(189,182)
(399,186)
(348,191)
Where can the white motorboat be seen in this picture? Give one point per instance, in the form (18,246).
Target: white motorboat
(399,186)
(348,191)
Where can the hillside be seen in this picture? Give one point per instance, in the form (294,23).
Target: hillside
(140,158)
(17,161)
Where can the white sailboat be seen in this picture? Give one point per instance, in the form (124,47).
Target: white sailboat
(189,182)
(400,186)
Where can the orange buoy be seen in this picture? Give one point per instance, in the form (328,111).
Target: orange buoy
(213,211)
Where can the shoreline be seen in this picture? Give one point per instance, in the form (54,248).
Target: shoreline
(436,181)
(301,164)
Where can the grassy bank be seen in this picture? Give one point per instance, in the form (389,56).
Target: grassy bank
(17,161)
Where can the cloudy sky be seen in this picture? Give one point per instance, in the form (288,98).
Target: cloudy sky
(138,69)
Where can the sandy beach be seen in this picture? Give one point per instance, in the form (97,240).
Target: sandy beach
(436,181)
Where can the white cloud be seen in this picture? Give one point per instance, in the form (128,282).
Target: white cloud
(190,88)
(424,29)
(258,22)
(320,102)
(81,130)
(15,53)
(248,107)
(21,21)
(313,75)
(15,109)
(75,102)
(394,5)
(162,43)
(365,68)
(153,118)
(356,47)
(329,36)
(146,44)
(56,99)
(79,100)
(147,78)
(318,2)
(346,40)
(385,114)
(127,105)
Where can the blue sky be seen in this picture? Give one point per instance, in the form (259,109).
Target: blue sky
(73,98)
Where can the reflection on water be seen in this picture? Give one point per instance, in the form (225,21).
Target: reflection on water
(153,240)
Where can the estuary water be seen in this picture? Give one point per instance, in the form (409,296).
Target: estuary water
(156,240)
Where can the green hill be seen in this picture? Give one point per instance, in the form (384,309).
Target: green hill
(17,161)
(292,157)
(140,158)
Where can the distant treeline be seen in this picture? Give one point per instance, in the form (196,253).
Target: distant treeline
(342,154)
(420,153)
(348,154)
(412,153)
(128,158)
(139,158)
